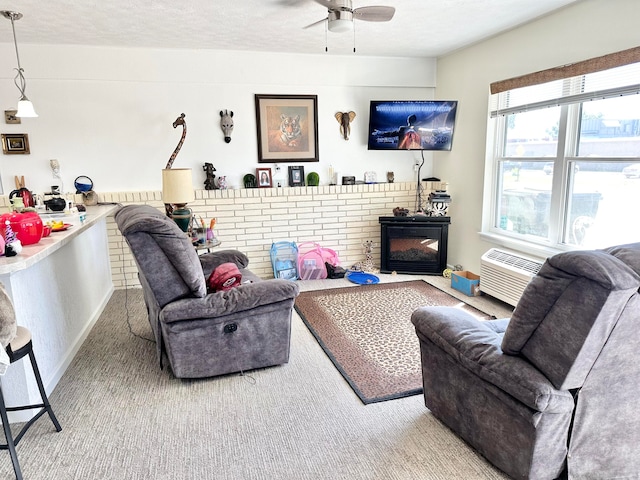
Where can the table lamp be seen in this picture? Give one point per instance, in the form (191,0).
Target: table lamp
(177,190)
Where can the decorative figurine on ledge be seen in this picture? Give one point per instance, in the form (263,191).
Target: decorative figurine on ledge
(226,123)
(210,182)
(400,212)
(366,266)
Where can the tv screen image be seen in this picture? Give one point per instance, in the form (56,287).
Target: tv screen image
(411,124)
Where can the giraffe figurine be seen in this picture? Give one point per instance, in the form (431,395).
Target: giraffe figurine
(367,265)
(179,121)
(168,208)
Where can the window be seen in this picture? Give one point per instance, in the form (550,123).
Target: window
(565,171)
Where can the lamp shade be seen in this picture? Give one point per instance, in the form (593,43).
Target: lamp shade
(340,21)
(177,186)
(25,108)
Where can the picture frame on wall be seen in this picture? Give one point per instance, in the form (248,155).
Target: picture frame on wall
(296,176)
(15,143)
(263,176)
(287,128)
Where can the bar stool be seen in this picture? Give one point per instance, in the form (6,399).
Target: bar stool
(19,347)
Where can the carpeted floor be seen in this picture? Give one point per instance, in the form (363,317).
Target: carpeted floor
(123,418)
(368,335)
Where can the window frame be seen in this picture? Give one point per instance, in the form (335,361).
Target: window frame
(566,157)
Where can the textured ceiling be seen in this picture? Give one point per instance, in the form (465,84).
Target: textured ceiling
(420,28)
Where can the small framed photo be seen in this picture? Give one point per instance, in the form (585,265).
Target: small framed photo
(264,177)
(10,117)
(15,143)
(296,176)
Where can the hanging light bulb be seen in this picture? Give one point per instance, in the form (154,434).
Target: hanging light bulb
(25,107)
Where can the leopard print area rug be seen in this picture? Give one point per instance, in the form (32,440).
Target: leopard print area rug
(367,333)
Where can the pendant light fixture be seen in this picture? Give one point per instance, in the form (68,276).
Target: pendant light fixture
(25,107)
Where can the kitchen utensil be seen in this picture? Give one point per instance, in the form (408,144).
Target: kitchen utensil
(17,203)
(27,197)
(57,204)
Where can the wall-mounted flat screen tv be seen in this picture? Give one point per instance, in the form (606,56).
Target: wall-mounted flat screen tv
(411,124)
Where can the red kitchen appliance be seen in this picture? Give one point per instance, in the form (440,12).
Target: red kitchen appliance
(27,226)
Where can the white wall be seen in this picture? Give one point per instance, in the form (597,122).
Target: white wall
(587,29)
(107,112)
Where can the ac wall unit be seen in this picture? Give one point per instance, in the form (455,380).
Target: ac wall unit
(505,274)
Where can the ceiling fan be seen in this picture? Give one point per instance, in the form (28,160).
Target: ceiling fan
(341,14)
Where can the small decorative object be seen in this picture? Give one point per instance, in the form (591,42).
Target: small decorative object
(447,273)
(349,180)
(12,245)
(400,212)
(222,182)
(370,177)
(178,121)
(439,203)
(82,183)
(249,180)
(367,265)
(210,182)
(55,171)
(345,119)
(390,177)
(313,179)
(332,175)
(15,143)
(226,123)
(296,176)
(287,128)
(264,177)
(10,117)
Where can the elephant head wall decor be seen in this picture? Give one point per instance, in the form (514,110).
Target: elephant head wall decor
(226,124)
(345,119)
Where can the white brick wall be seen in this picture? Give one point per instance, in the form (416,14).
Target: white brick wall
(250,220)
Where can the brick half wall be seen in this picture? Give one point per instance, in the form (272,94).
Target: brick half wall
(250,220)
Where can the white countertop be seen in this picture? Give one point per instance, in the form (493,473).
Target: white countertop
(32,254)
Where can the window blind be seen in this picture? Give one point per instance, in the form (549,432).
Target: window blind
(531,93)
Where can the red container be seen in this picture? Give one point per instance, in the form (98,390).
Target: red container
(27,226)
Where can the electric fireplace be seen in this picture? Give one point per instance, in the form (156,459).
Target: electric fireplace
(416,244)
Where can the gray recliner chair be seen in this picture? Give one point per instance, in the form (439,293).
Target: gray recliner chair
(205,334)
(554,390)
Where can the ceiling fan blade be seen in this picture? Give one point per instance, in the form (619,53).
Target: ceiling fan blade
(315,23)
(374,14)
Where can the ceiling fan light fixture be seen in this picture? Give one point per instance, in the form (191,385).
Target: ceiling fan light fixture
(340,21)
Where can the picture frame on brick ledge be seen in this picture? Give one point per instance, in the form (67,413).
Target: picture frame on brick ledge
(296,176)
(264,177)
